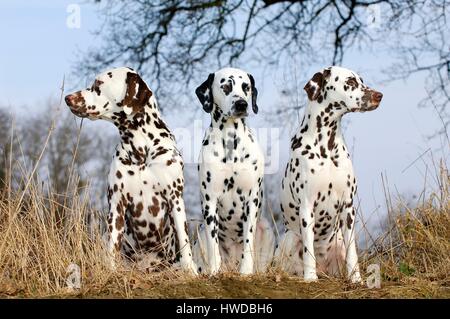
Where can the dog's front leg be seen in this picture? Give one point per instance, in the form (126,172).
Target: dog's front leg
(307,231)
(210,215)
(248,258)
(348,232)
(116,224)
(179,216)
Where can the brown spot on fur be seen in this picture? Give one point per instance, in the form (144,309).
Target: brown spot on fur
(138,210)
(120,222)
(154,209)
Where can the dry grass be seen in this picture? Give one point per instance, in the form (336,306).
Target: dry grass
(42,233)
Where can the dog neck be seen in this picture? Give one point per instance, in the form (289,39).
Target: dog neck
(226,123)
(229,134)
(321,127)
(140,133)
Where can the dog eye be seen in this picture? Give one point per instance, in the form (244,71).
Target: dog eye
(352,82)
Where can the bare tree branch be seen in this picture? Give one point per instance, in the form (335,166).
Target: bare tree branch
(185,37)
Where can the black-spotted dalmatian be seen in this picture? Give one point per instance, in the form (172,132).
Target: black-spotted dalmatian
(231,173)
(145,183)
(319,186)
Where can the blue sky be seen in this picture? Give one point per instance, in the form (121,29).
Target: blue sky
(38,50)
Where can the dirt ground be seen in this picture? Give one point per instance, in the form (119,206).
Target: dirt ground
(234,286)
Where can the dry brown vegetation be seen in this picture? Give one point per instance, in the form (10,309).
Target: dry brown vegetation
(43,232)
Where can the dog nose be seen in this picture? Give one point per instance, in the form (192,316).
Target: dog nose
(69,99)
(377,96)
(240,106)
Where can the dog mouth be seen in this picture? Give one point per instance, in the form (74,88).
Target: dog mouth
(372,106)
(240,114)
(78,112)
(81,113)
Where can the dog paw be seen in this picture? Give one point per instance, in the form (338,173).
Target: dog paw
(213,272)
(310,277)
(214,266)
(246,270)
(355,278)
(191,268)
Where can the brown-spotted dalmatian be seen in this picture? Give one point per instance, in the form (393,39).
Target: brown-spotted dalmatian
(145,183)
(319,185)
(231,174)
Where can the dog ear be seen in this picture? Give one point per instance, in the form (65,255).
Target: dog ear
(205,94)
(316,84)
(254,93)
(137,94)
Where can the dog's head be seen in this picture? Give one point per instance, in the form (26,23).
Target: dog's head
(115,93)
(342,89)
(231,90)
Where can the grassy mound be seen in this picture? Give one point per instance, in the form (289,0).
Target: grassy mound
(43,233)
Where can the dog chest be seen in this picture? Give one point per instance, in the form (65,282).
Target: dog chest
(221,178)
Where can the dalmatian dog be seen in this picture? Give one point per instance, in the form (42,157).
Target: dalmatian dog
(231,174)
(319,185)
(145,183)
